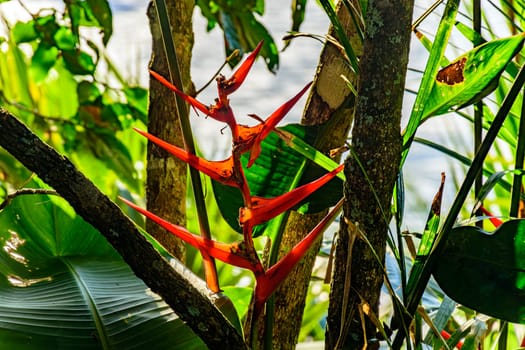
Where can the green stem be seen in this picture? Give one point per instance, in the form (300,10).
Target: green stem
(478,110)
(173,64)
(520,155)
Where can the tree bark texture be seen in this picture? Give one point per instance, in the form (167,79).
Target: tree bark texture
(190,303)
(376,144)
(166,175)
(331,104)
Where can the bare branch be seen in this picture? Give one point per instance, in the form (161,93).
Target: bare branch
(24,191)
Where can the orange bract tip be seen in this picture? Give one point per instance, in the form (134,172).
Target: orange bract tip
(229,86)
(220,111)
(221,171)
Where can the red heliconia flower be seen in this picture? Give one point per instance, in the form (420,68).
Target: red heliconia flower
(221,171)
(231,253)
(264,209)
(220,111)
(229,86)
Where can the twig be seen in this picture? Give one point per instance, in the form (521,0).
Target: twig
(24,191)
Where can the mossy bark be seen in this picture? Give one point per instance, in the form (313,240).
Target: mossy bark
(166,176)
(371,173)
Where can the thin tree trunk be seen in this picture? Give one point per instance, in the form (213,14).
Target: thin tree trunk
(371,173)
(330,103)
(166,176)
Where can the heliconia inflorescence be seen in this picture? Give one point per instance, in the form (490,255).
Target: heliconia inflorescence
(256,210)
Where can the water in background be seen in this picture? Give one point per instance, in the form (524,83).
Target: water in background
(262,91)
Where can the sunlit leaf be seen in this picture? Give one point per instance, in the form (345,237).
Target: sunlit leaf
(241,297)
(24,32)
(471,76)
(58,93)
(486,271)
(65,39)
(43,59)
(63,286)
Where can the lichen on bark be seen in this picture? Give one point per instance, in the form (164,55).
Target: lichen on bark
(371,171)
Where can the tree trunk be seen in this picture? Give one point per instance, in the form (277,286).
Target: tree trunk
(166,176)
(371,173)
(330,103)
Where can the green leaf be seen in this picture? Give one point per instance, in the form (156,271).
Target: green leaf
(138,99)
(486,272)
(63,286)
(43,59)
(102,12)
(298,10)
(24,32)
(241,297)
(106,146)
(46,27)
(427,82)
(58,93)
(88,92)
(79,62)
(471,76)
(242,31)
(65,39)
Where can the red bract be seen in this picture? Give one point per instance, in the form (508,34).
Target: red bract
(276,274)
(220,111)
(270,123)
(495,221)
(221,171)
(264,209)
(231,253)
(229,86)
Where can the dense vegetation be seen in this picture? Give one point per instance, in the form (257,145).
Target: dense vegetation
(70,258)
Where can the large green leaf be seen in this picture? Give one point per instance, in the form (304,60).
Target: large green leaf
(486,272)
(62,286)
(471,76)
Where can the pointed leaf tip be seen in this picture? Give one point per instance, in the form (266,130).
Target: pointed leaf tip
(220,111)
(221,171)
